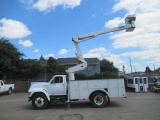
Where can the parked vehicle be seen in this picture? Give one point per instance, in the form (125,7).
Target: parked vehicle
(6,88)
(139,84)
(155,85)
(57,89)
(98,92)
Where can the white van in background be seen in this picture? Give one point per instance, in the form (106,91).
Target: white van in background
(139,84)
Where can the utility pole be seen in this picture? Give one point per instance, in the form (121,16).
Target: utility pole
(123,69)
(135,69)
(154,70)
(154,67)
(130,64)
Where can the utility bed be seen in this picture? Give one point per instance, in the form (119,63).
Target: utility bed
(82,89)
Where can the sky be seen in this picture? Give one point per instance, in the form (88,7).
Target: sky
(46,27)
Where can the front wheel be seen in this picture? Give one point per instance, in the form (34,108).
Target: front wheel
(39,101)
(153,89)
(99,100)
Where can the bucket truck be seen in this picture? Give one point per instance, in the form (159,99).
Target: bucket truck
(98,91)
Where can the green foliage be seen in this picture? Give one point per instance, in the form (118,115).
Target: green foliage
(107,66)
(41,58)
(110,75)
(54,67)
(24,69)
(9,59)
(148,70)
(104,75)
(80,76)
(107,71)
(95,76)
(13,66)
(121,76)
(51,65)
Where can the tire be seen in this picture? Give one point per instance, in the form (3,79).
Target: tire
(39,101)
(153,89)
(10,91)
(99,100)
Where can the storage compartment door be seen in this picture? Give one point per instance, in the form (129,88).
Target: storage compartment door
(74,90)
(121,88)
(83,89)
(113,88)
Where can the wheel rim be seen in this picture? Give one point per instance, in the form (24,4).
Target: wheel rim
(39,101)
(98,100)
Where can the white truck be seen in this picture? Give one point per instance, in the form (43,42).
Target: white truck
(56,90)
(6,88)
(98,92)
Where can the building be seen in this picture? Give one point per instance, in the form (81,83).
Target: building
(120,73)
(92,68)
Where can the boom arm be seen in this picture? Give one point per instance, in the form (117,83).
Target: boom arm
(129,26)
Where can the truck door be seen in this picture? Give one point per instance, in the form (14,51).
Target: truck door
(136,84)
(141,84)
(57,86)
(1,87)
(145,81)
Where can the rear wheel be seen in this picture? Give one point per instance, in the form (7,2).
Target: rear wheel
(10,91)
(39,101)
(99,100)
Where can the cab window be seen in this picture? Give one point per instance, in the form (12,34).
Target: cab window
(130,81)
(57,80)
(145,81)
(1,83)
(140,81)
(136,80)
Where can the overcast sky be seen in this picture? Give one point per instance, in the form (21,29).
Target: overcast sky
(46,27)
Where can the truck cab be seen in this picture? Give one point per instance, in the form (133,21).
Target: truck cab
(57,85)
(46,92)
(6,88)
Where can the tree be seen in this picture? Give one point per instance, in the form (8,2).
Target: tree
(9,59)
(54,67)
(35,69)
(80,76)
(107,66)
(108,70)
(51,65)
(41,58)
(29,69)
(148,70)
